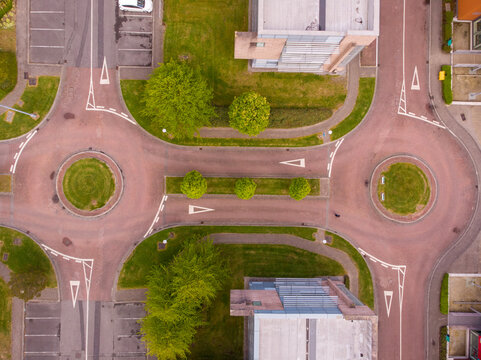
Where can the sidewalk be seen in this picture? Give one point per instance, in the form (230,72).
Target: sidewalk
(324,126)
(291,240)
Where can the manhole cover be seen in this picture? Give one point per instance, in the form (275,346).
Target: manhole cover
(69,115)
(66,241)
(55,199)
(52,175)
(5,257)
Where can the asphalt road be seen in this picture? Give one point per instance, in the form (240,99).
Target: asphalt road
(400,256)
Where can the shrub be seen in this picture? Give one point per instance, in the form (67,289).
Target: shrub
(444,301)
(193,185)
(447,91)
(245,188)
(443,331)
(178,99)
(299,188)
(249,113)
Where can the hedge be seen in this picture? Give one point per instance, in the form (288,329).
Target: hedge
(447,91)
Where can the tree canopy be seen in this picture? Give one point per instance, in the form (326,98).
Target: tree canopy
(245,188)
(178,99)
(249,113)
(193,185)
(176,296)
(299,188)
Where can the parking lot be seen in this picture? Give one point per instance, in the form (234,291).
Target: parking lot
(42,331)
(134,33)
(57,331)
(46,31)
(126,331)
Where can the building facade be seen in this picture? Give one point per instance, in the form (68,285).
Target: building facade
(319,36)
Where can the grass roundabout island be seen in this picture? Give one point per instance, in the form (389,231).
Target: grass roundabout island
(403,188)
(88,184)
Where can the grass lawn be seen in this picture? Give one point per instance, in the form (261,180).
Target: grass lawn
(136,268)
(444,301)
(25,257)
(132,91)
(37,100)
(265,186)
(222,337)
(88,184)
(363,103)
(5,183)
(8,72)
(406,189)
(5,320)
(366,294)
(203,33)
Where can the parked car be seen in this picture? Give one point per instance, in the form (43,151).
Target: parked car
(136,5)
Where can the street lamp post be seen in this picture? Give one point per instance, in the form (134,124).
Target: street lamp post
(33,116)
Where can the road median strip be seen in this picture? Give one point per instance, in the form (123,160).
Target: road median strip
(225,185)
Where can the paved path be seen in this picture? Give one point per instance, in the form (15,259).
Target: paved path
(295,241)
(324,126)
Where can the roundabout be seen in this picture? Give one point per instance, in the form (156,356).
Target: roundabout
(89,184)
(403,188)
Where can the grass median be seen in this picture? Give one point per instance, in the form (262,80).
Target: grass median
(363,103)
(37,100)
(5,183)
(132,92)
(221,185)
(366,292)
(136,268)
(5,320)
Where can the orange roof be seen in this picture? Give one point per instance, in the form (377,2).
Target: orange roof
(469,9)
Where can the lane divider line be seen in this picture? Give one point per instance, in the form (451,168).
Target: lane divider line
(156,217)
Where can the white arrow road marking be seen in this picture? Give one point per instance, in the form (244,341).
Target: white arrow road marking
(74,284)
(388,300)
(415,82)
(104,76)
(198,209)
(297,162)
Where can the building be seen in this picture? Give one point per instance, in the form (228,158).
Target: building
(470,10)
(308,319)
(320,36)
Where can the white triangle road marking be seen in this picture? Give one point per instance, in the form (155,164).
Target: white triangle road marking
(104,76)
(415,82)
(388,295)
(74,286)
(296,162)
(198,209)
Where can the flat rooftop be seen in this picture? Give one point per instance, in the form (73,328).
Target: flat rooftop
(314,15)
(325,338)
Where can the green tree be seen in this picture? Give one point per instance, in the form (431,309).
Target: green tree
(177,294)
(249,113)
(299,188)
(178,99)
(245,188)
(193,185)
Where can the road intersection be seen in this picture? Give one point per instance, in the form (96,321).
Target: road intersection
(90,115)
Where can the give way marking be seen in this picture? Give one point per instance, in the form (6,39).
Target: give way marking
(198,209)
(415,82)
(74,286)
(297,162)
(388,300)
